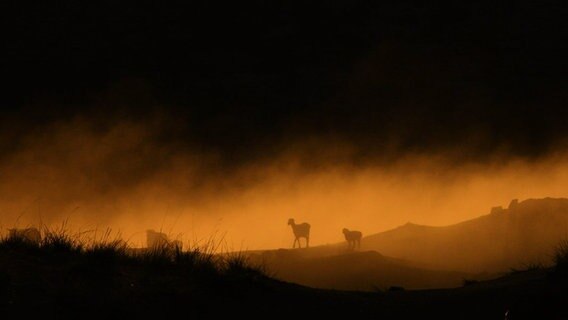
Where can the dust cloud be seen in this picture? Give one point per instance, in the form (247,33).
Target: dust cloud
(128,177)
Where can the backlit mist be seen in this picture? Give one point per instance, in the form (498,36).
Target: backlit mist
(122,177)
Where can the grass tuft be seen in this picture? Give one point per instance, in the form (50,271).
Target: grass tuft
(560,257)
(239,265)
(107,254)
(60,241)
(17,243)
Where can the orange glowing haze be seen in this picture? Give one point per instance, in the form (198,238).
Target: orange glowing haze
(73,172)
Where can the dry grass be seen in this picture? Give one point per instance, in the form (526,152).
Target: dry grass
(106,248)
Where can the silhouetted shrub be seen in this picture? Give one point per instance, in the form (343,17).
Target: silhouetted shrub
(96,264)
(560,256)
(17,243)
(59,241)
(107,252)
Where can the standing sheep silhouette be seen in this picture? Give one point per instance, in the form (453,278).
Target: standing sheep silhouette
(353,238)
(301,230)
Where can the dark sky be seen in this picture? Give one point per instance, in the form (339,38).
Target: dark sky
(246,79)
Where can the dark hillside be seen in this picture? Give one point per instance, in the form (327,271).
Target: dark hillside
(59,283)
(344,270)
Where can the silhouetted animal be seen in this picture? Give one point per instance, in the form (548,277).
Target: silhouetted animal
(301,230)
(31,235)
(353,238)
(158,240)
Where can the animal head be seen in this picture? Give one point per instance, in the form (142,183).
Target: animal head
(291,221)
(345,230)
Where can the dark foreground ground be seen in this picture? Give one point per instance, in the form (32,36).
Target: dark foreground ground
(60,281)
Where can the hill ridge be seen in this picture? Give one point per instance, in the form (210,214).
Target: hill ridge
(502,211)
(524,232)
